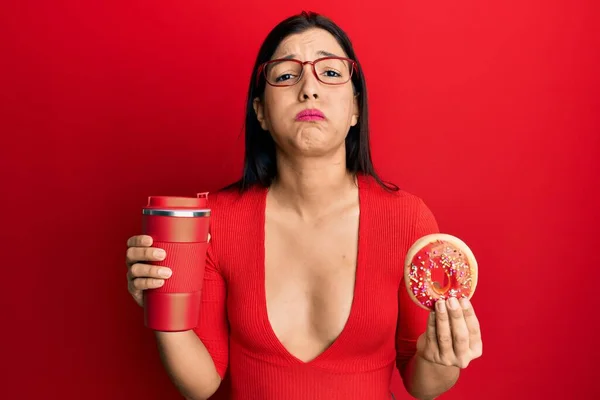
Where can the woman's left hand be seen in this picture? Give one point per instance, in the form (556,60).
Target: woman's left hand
(453,336)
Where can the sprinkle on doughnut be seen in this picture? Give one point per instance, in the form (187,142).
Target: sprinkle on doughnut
(439,270)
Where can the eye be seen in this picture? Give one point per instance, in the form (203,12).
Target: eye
(332,74)
(284,77)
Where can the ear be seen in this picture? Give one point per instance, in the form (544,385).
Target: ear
(260,113)
(355,111)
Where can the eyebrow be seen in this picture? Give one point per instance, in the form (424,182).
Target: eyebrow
(320,53)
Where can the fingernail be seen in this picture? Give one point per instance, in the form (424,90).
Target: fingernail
(441,306)
(160,254)
(465,303)
(453,303)
(164,272)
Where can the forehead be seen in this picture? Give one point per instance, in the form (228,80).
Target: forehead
(307,44)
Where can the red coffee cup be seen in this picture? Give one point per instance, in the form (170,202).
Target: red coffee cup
(179,225)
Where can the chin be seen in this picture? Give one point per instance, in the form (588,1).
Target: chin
(313,139)
(319,148)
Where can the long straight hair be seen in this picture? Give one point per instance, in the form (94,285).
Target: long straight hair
(260,166)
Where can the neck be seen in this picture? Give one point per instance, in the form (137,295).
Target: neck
(313,186)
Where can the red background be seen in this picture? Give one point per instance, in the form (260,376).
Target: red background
(488,112)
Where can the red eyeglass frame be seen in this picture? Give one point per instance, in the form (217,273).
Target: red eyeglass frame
(262,69)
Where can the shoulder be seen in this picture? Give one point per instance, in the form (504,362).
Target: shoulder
(373,194)
(233,214)
(233,210)
(232,199)
(400,209)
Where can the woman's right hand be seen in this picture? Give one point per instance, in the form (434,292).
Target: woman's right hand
(141,276)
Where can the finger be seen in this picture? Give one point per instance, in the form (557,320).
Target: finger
(137,294)
(136,254)
(147,283)
(432,352)
(475,343)
(444,334)
(139,241)
(430,331)
(149,271)
(460,333)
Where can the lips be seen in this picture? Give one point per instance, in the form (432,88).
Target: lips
(312,114)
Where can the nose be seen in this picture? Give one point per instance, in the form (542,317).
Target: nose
(309,84)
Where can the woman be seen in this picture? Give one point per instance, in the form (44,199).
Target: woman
(303,295)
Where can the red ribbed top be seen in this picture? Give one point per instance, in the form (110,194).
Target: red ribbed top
(381,330)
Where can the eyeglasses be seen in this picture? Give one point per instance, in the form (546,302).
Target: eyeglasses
(288,72)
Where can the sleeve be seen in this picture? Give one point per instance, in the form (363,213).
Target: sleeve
(212,328)
(412,319)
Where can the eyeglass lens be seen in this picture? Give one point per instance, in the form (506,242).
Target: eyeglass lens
(330,71)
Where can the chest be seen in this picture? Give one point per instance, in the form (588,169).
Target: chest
(306,291)
(310,279)
(311,264)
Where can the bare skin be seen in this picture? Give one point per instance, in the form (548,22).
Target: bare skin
(310,272)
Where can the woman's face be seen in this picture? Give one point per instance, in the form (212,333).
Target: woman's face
(278,111)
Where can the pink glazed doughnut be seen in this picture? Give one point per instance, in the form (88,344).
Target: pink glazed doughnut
(439,266)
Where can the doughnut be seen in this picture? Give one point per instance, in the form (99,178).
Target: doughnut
(439,266)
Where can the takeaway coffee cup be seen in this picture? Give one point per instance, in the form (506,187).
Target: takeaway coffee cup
(179,225)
